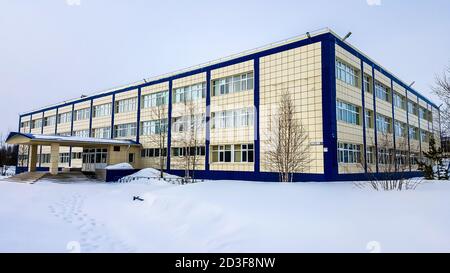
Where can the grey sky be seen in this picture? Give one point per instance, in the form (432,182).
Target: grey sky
(51,51)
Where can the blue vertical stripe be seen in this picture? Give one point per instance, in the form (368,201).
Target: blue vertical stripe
(169,126)
(90,117)
(113,110)
(208,118)
(375,119)
(256,98)
(363,95)
(138,119)
(393,123)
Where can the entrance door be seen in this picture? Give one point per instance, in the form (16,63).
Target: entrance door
(94,159)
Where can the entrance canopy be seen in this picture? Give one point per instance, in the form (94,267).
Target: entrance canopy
(87,142)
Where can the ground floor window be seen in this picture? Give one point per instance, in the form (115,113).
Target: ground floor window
(153,152)
(95,155)
(182,151)
(232,153)
(349,153)
(45,158)
(384,156)
(64,157)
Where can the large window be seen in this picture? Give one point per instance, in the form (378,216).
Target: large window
(153,152)
(349,153)
(37,123)
(82,114)
(384,156)
(233,84)
(182,124)
(125,130)
(232,153)
(104,132)
(412,108)
(413,133)
(193,151)
(423,113)
(153,127)
(127,105)
(347,112)
(24,124)
(237,118)
(424,136)
(367,84)
(369,118)
(49,121)
(382,92)
(189,93)
(346,73)
(81,133)
(64,157)
(400,129)
(383,124)
(44,158)
(65,117)
(399,101)
(155,99)
(103,110)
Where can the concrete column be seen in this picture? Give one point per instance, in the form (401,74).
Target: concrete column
(32,158)
(54,159)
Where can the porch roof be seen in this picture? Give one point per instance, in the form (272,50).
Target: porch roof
(35,139)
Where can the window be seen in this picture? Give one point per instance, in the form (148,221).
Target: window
(116,148)
(232,153)
(369,118)
(384,156)
(45,158)
(423,113)
(65,117)
(24,124)
(64,134)
(412,108)
(399,101)
(237,118)
(413,133)
(102,110)
(64,157)
(237,83)
(189,93)
(153,127)
(347,112)
(370,155)
(76,155)
(346,73)
(104,132)
(367,84)
(125,130)
(49,121)
(153,152)
(127,105)
(82,114)
(400,129)
(382,92)
(424,137)
(181,124)
(37,123)
(193,151)
(400,157)
(81,133)
(349,153)
(413,158)
(383,124)
(155,99)
(131,158)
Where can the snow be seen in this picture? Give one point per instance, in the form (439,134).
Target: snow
(120,166)
(222,216)
(151,173)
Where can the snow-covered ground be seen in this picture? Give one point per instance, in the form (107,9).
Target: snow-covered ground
(222,216)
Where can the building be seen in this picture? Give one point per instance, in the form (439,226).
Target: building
(358,116)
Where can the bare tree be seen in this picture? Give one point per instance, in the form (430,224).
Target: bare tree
(442,90)
(192,125)
(393,165)
(287,141)
(159,137)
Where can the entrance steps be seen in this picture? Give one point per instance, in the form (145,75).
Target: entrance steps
(26,177)
(68,177)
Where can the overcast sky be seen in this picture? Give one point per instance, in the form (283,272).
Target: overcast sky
(53,50)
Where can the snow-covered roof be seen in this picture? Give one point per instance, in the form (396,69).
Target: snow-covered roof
(27,138)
